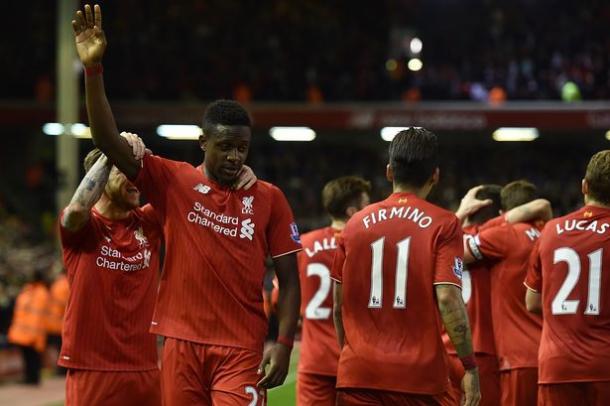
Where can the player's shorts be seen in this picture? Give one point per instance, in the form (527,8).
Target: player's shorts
(574,393)
(519,387)
(112,388)
(316,390)
(369,397)
(489,379)
(200,374)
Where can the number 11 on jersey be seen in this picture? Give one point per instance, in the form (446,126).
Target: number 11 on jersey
(402,272)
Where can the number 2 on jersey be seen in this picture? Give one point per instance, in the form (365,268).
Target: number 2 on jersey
(402,272)
(314,309)
(561,304)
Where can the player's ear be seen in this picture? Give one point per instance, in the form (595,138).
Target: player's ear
(584,187)
(203,142)
(436,176)
(350,211)
(389,173)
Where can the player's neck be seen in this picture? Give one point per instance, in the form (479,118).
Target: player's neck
(595,203)
(338,224)
(421,192)
(110,210)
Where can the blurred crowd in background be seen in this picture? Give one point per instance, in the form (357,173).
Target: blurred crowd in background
(278,51)
(317,51)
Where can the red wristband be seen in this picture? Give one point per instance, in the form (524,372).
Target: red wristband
(288,342)
(469,362)
(93,70)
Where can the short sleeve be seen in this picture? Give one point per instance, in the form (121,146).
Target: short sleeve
(336,270)
(74,239)
(490,243)
(449,250)
(533,280)
(282,232)
(153,180)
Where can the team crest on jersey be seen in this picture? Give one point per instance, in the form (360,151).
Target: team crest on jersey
(247,202)
(142,240)
(203,189)
(294,233)
(458,267)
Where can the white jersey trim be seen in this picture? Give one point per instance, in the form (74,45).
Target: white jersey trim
(447,283)
(532,289)
(287,253)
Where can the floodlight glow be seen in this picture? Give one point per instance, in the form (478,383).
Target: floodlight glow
(79,130)
(416,45)
(53,129)
(608,135)
(179,132)
(292,133)
(388,133)
(515,134)
(415,64)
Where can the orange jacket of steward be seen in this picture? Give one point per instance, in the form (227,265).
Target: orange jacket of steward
(60,290)
(28,327)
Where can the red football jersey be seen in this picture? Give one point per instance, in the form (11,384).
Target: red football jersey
(516,331)
(113,271)
(319,347)
(389,257)
(216,242)
(569,268)
(476,286)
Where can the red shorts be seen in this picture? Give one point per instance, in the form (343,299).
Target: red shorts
(199,374)
(110,388)
(369,397)
(316,390)
(574,393)
(519,387)
(489,379)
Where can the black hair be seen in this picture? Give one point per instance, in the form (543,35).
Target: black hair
(413,156)
(488,212)
(224,112)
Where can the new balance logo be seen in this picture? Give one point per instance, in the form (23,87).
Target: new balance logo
(203,189)
(247,229)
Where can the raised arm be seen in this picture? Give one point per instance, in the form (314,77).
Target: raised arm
(289,303)
(77,213)
(90,46)
(455,319)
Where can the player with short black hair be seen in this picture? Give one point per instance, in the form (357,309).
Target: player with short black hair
(209,306)
(398,268)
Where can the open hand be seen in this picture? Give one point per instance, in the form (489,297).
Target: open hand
(246,178)
(89,37)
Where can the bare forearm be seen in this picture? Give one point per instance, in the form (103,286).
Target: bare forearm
(289,303)
(455,319)
(87,194)
(337,315)
(104,129)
